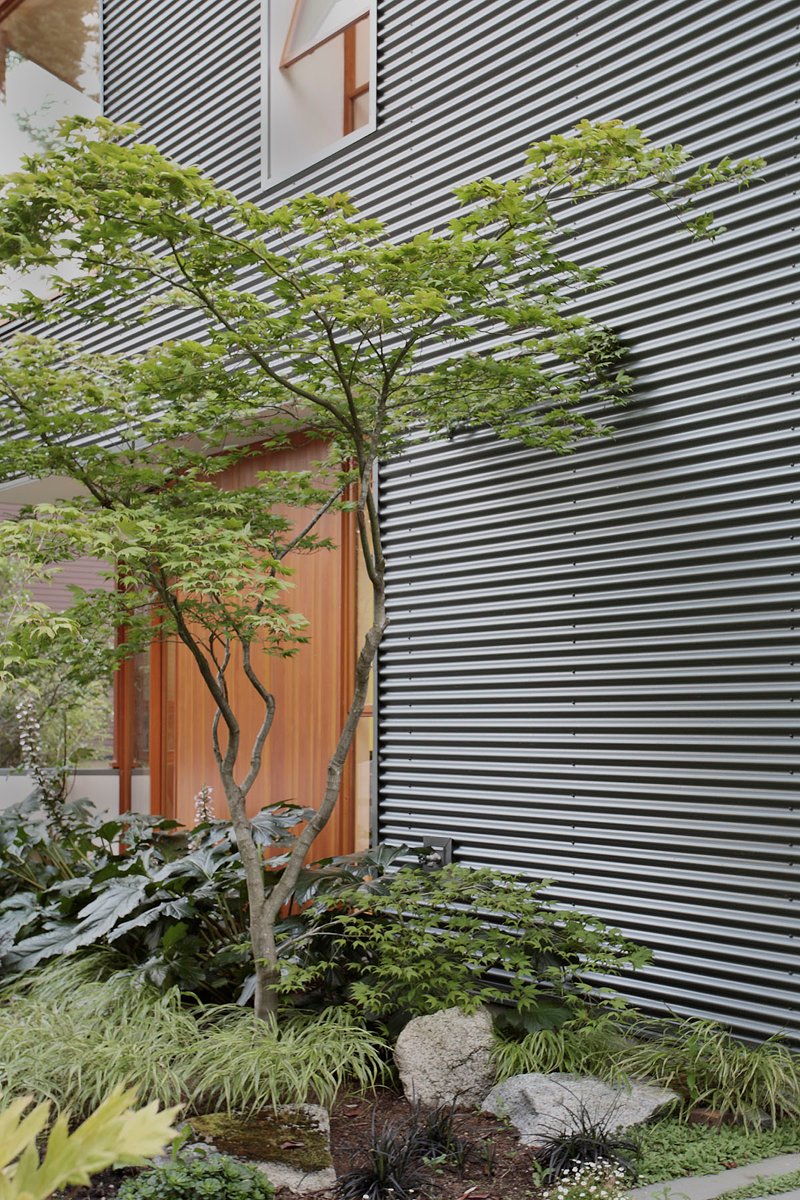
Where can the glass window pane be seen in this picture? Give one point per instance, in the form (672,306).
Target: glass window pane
(49,69)
(314,21)
(362,53)
(360,110)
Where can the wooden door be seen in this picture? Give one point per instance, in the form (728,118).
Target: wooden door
(311,689)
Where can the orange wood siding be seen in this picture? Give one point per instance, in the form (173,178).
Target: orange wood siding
(310,689)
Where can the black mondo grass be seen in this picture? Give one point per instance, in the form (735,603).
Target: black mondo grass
(388,1169)
(589,1140)
(433,1133)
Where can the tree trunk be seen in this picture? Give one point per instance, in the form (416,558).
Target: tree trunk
(263,923)
(267,968)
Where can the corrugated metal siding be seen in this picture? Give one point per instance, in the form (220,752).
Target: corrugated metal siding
(592,680)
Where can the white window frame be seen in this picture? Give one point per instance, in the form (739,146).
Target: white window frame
(271,54)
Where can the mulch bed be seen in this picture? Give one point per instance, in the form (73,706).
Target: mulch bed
(497,1167)
(103,1187)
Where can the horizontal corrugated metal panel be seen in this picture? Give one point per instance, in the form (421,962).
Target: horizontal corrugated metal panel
(588,673)
(590,670)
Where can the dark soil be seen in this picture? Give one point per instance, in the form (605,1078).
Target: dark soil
(102,1187)
(496,1166)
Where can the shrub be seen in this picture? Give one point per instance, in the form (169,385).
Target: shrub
(420,941)
(192,1175)
(176,914)
(246,1064)
(172,909)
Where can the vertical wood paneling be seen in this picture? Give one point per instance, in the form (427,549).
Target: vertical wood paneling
(309,688)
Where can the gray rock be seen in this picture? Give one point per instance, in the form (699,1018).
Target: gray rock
(445,1057)
(291,1147)
(540,1106)
(302,1183)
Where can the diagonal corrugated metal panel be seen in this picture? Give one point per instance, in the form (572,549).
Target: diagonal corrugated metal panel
(589,671)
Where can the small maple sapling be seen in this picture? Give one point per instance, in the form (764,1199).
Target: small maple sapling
(307,317)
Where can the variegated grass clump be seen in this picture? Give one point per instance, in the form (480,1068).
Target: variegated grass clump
(699,1059)
(244,1064)
(69,1037)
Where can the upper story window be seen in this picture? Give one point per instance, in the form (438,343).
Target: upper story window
(320,68)
(49,69)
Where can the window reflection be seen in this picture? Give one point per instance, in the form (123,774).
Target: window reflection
(49,69)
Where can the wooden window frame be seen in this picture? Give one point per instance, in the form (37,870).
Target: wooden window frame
(352,90)
(285,60)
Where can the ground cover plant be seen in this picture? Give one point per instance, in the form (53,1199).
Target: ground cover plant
(596,1180)
(671,1147)
(195,1175)
(764,1185)
(309,319)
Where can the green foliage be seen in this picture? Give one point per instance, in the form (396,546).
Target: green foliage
(60,664)
(70,1031)
(590,1044)
(309,312)
(75,721)
(245,1064)
(116,1133)
(176,914)
(50,655)
(190,1176)
(67,1038)
(765,1185)
(308,320)
(670,1148)
(419,941)
(172,910)
(703,1062)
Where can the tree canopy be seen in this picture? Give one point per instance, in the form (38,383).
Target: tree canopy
(303,318)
